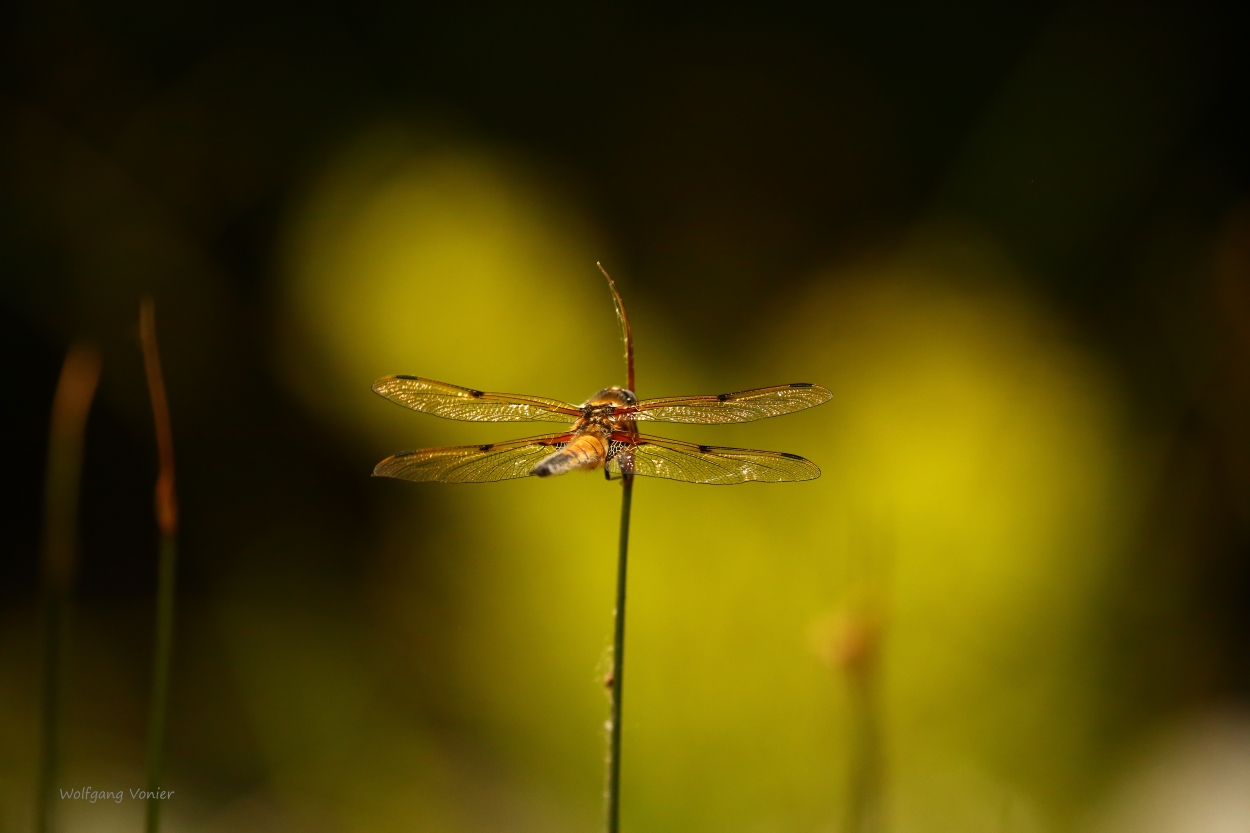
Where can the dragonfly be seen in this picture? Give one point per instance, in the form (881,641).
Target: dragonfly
(600,433)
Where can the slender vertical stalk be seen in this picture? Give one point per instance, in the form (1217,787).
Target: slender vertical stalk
(616,681)
(623,318)
(55,646)
(852,644)
(167,521)
(863,809)
(618,662)
(74,393)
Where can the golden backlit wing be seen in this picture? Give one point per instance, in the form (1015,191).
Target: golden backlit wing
(471,463)
(455,402)
(708,464)
(742,406)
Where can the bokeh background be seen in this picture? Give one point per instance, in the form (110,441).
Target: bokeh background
(1013,240)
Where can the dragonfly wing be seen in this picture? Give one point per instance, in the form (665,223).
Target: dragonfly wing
(455,402)
(471,463)
(742,406)
(709,464)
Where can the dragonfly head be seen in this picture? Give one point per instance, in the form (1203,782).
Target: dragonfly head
(615,395)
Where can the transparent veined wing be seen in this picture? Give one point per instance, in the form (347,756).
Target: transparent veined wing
(708,464)
(471,463)
(455,402)
(741,406)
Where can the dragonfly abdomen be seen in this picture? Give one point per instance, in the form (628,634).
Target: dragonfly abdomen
(585,451)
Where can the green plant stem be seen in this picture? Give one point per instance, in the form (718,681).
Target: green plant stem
(618,663)
(160,674)
(863,808)
(55,636)
(70,406)
(167,522)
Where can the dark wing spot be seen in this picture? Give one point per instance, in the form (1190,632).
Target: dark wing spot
(802,385)
(704,449)
(485,447)
(724,397)
(406,376)
(792,456)
(476,393)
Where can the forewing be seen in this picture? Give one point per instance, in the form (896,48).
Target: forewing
(455,402)
(742,406)
(471,463)
(708,464)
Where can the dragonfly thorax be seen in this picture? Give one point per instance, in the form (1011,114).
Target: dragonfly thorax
(600,411)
